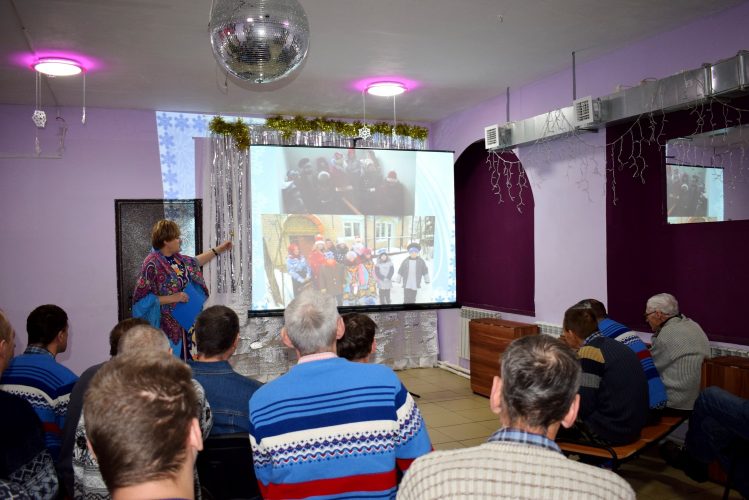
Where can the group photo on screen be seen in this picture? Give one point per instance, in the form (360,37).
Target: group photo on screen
(345,181)
(359,260)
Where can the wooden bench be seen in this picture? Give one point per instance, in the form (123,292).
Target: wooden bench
(649,436)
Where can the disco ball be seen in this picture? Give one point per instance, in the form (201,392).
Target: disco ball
(260,41)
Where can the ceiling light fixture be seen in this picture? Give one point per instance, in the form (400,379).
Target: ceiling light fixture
(386,89)
(57,66)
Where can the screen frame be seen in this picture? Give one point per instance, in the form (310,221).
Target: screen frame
(422,306)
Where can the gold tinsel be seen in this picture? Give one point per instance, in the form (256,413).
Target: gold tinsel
(288,127)
(239,131)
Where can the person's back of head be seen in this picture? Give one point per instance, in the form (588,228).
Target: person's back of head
(357,342)
(216,331)
(7,341)
(45,323)
(580,320)
(119,329)
(141,420)
(312,323)
(143,338)
(596,306)
(540,379)
(664,303)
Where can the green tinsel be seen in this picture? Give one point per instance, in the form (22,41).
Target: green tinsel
(288,127)
(239,131)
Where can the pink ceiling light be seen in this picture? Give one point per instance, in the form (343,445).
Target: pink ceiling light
(57,66)
(386,89)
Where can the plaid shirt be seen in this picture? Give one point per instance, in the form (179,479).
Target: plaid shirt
(35,349)
(508,434)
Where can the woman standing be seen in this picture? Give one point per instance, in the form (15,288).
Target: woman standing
(164,275)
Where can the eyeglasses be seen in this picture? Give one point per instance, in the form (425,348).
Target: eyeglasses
(648,314)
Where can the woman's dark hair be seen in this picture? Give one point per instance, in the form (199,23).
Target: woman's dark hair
(44,323)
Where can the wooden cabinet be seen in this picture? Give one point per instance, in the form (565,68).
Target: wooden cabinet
(489,337)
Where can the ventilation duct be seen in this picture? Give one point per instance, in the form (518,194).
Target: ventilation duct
(724,78)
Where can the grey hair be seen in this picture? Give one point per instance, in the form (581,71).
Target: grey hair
(142,338)
(540,378)
(311,320)
(663,302)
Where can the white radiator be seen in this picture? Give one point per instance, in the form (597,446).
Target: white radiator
(466,315)
(720,349)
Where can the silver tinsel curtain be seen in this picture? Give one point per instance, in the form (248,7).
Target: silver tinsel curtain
(406,339)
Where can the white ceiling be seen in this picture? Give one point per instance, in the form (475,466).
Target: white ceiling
(156,54)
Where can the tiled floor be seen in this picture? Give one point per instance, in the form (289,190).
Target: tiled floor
(457,418)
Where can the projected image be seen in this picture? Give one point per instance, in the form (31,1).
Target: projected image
(694,194)
(369,227)
(353,181)
(361,261)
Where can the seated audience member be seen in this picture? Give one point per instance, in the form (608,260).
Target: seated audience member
(614,330)
(75,406)
(142,425)
(535,396)
(26,467)
(358,341)
(679,347)
(330,427)
(136,341)
(228,392)
(613,391)
(38,378)
(718,430)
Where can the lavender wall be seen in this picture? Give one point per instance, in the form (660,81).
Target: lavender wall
(58,218)
(567,176)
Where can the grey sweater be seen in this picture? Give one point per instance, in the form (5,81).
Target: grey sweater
(678,351)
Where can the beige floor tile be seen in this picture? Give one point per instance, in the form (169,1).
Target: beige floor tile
(465,431)
(463,404)
(427,408)
(472,442)
(444,419)
(436,436)
(420,387)
(434,397)
(491,425)
(479,414)
(450,445)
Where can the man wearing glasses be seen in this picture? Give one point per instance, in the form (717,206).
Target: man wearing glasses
(679,347)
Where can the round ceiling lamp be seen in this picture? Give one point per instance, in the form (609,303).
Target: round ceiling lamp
(386,89)
(57,66)
(261,41)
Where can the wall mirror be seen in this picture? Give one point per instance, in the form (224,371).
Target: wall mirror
(707,176)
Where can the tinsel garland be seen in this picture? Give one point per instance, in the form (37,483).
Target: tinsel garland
(287,127)
(239,131)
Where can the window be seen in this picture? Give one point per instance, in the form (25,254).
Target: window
(383,230)
(352,229)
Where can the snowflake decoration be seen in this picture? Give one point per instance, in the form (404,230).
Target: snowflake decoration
(365,133)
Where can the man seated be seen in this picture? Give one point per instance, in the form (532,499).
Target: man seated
(140,339)
(718,430)
(228,392)
(142,425)
(535,396)
(38,378)
(679,347)
(26,467)
(75,405)
(614,390)
(614,330)
(330,427)
(358,341)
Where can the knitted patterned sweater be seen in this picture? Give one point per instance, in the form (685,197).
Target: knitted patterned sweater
(36,377)
(656,390)
(332,428)
(613,391)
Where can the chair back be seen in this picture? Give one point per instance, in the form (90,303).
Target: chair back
(225,467)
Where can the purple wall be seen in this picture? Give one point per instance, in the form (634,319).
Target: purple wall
(567,176)
(58,218)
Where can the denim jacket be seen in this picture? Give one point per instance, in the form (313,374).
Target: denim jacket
(228,393)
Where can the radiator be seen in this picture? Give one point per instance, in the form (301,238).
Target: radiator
(718,349)
(466,315)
